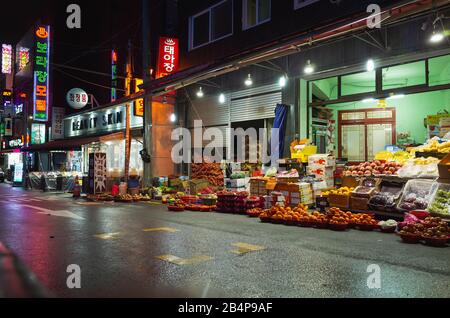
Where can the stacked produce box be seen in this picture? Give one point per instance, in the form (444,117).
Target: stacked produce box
(232,202)
(322,167)
(208,171)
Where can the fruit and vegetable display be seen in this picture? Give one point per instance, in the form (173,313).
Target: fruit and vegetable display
(388,226)
(341,220)
(232,202)
(279,214)
(372,168)
(434,145)
(441,204)
(433,231)
(124,198)
(416,195)
(255,212)
(419,167)
(341,191)
(99,197)
(208,171)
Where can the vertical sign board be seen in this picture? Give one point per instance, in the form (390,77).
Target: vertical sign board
(57,123)
(97,173)
(139,103)
(6,59)
(113,75)
(41,74)
(168,57)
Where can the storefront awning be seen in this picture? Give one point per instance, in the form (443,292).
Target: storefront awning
(9,151)
(73,144)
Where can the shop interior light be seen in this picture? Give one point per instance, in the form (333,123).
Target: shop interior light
(437,37)
(173,118)
(396,96)
(309,68)
(200,93)
(249,81)
(222,99)
(164,101)
(369,100)
(370,65)
(282,81)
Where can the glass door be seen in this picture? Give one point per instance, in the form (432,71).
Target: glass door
(364,133)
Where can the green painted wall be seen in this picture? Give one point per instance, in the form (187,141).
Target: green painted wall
(410,111)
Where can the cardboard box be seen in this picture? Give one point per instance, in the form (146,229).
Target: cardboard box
(197,185)
(321,172)
(321,160)
(444,168)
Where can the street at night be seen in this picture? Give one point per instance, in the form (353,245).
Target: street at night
(225,156)
(118,247)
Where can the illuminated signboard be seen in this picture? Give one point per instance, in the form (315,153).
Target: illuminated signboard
(37,134)
(41,74)
(6,59)
(168,58)
(24,57)
(114,75)
(18,173)
(139,103)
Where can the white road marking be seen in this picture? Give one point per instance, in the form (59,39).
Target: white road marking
(61,213)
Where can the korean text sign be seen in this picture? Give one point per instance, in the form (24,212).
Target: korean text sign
(41,74)
(168,58)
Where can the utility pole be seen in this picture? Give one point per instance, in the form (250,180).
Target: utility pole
(148,144)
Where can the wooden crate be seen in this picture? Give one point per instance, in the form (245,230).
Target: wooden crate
(359,204)
(339,201)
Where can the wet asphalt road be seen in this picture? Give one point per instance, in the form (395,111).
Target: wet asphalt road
(281,261)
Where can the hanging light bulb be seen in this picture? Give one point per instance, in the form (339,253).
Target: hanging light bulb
(200,93)
(370,65)
(164,101)
(249,81)
(309,68)
(222,99)
(282,81)
(437,37)
(173,118)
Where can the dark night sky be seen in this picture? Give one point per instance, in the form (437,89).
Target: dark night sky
(104,24)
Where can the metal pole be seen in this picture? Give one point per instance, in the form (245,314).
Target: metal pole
(148,145)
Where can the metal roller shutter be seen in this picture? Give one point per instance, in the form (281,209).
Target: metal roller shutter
(255,103)
(210,111)
(225,133)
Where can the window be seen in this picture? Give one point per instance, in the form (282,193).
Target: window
(303,3)
(439,70)
(405,75)
(211,25)
(358,83)
(323,90)
(255,12)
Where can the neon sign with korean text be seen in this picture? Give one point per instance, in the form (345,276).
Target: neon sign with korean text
(6,59)
(41,74)
(168,58)
(113,75)
(24,57)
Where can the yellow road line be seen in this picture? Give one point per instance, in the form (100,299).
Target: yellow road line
(161,229)
(185,261)
(107,236)
(244,248)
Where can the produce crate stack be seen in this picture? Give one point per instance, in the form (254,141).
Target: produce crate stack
(387,198)
(208,171)
(254,202)
(225,201)
(322,167)
(360,197)
(232,202)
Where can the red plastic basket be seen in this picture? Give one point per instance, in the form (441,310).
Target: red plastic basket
(410,239)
